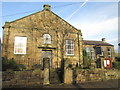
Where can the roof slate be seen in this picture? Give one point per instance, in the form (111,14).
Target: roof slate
(97,43)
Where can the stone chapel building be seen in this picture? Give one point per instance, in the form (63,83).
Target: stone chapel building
(43,34)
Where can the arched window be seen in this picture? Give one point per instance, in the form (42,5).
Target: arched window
(47,39)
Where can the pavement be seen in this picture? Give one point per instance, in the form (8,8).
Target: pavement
(110,84)
(102,85)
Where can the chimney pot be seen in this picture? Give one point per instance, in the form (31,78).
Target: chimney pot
(47,7)
(104,39)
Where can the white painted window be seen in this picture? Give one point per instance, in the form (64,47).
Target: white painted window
(47,39)
(20,45)
(90,53)
(69,47)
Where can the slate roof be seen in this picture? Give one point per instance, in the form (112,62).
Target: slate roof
(101,43)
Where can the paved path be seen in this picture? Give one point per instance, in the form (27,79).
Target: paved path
(100,84)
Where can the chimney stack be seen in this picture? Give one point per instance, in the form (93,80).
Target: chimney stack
(103,39)
(47,7)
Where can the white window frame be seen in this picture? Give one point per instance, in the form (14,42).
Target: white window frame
(72,47)
(20,43)
(90,52)
(49,38)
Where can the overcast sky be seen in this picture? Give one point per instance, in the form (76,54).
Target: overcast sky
(96,20)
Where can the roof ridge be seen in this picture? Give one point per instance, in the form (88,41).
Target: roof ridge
(92,42)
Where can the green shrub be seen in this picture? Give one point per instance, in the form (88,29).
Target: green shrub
(11,64)
(5,64)
(116,65)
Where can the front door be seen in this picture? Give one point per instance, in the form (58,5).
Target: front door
(48,54)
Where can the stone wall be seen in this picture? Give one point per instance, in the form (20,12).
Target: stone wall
(94,75)
(112,74)
(22,78)
(88,75)
(36,78)
(33,78)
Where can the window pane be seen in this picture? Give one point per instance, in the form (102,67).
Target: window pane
(68,41)
(20,45)
(90,52)
(69,52)
(108,53)
(47,39)
(69,47)
(108,49)
(71,41)
(87,50)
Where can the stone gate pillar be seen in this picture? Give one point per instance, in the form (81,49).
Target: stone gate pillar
(68,72)
(102,63)
(46,66)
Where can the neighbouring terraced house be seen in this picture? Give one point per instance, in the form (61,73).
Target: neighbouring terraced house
(44,34)
(99,49)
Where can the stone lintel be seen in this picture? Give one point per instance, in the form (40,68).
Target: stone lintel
(47,47)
